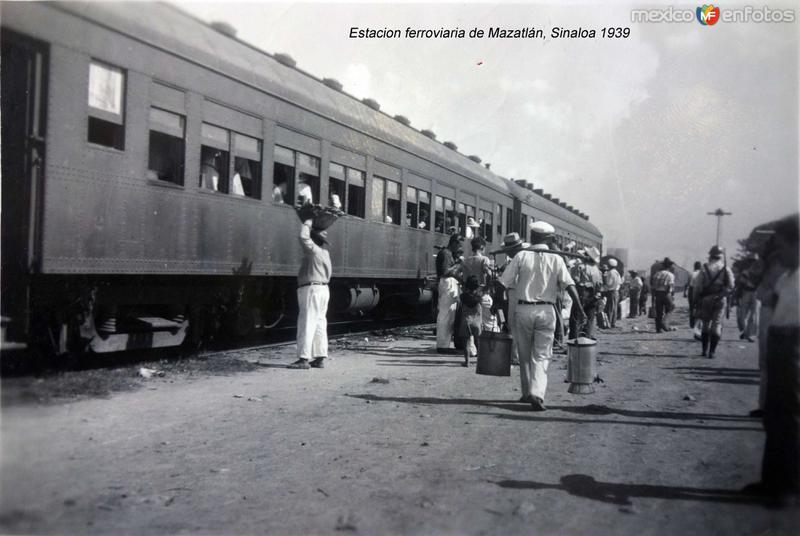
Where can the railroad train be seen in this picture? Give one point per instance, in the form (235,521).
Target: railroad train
(150,167)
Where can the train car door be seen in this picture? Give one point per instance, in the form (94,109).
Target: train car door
(23,75)
(517,217)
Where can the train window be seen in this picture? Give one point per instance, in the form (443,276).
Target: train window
(307,178)
(439,215)
(247,166)
(167,146)
(486,225)
(337,189)
(510,222)
(377,203)
(462,218)
(283,176)
(106,105)
(392,202)
(499,221)
(424,199)
(356,193)
(412,207)
(450,216)
(214,158)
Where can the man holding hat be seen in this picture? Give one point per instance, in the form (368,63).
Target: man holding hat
(312,298)
(538,277)
(447,267)
(663,290)
(710,293)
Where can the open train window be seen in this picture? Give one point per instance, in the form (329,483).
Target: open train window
(167,146)
(356,193)
(444,215)
(246,166)
(418,208)
(106,105)
(487,228)
(377,204)
(392,202)
(307,178)
(214,158)
(462,218)
(337,186)
(283,176)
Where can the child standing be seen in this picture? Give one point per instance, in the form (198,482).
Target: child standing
(471,322)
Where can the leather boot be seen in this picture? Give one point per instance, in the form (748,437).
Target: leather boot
(714,341)
(704,341)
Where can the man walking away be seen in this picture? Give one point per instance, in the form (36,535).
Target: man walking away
(512,244)
(447,267)
(711,292)
(636,290)
(537,276)
(312,298)
(588,282)
(663,289)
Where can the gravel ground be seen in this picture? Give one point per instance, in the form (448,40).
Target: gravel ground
(391,438)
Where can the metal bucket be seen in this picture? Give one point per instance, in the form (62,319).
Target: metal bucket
(494,354)
(582,363)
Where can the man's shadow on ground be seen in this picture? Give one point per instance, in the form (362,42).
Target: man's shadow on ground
(621,494)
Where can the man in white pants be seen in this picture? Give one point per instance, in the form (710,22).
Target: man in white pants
(537,277)
(312,299)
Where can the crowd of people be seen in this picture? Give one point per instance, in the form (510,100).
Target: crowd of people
(528,294)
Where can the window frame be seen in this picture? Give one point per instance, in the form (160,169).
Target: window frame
(106,117)
(150,129)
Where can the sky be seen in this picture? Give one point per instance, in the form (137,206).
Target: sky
(646,134)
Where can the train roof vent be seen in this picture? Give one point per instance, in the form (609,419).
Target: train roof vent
(428,133)
(586,217)
(563,204)
(529,186)
(521,182)
(402,119)
(488,165)
(285,59)
(451,145)
(555,200)
(333,83)
(372,103)
(224,28)
(475,158)
(538,191)
(570,208)
(547,196)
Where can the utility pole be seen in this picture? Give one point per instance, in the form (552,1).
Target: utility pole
(719,213)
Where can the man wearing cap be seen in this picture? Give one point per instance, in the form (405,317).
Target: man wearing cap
(663,290)
(537,277)
(612,283)
(447,267)
(312,298)
(710,293)
(512,244)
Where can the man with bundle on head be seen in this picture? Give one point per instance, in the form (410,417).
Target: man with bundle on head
(448,266)
(537,276)
(710,295)
(312,298)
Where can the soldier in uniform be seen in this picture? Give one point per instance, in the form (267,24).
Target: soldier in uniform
(538,277)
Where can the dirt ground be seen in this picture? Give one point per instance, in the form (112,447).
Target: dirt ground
(392,438)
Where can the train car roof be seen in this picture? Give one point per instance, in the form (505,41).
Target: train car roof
(170,28)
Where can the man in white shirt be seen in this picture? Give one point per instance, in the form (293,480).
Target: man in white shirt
(538,277)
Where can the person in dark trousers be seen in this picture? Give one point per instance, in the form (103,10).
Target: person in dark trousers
(689,291)
(312,298)
(711,291)
(780,468)
(471,318)
(636,285)
(663,290)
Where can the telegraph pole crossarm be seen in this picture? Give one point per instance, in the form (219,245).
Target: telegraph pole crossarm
(719,213)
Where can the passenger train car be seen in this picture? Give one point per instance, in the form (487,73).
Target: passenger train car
(150,164)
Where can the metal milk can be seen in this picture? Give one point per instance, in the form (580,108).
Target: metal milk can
(582,365)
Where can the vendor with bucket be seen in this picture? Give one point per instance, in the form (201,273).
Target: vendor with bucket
(537,279)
